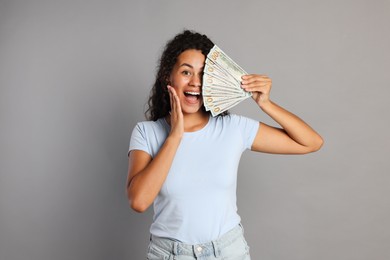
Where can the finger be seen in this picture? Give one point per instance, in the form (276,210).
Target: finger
(170,96)
(255,85)
(252,76)
(256,82)
(257,88)
(255,79)
(248,76)
(175,101)
(178,106)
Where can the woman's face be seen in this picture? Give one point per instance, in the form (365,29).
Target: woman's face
(186,79)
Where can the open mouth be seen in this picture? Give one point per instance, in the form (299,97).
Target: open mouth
(192,97)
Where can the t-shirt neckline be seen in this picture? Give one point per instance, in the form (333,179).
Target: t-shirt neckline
(194,132)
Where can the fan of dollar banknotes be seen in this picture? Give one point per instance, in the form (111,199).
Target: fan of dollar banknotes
(222,82)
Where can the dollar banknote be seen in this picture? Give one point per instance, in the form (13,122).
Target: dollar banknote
(222,82)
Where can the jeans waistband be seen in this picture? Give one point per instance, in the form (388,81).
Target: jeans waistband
(212,247)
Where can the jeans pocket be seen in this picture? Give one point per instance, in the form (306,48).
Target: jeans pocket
(238,250)
(157,253)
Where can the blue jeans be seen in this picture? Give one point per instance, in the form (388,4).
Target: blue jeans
(230,246)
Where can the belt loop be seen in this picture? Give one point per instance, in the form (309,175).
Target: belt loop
(216,249)
(174,249)
(242,228)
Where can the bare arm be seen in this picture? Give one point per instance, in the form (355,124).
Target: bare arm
(146,175)
(294,136)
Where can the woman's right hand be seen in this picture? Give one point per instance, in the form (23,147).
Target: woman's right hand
(176,120)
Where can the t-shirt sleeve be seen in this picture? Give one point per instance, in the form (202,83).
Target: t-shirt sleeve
(138,140)
(248,129)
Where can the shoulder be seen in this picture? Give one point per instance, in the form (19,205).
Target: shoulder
(148,136)
(147,129)
(238,127)
(159,124)
(233,119)
(247,126)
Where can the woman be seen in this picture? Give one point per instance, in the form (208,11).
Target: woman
(185,162)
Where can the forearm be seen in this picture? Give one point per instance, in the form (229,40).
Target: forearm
(294,127)
(145,185)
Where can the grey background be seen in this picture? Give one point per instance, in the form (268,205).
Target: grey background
(74,78)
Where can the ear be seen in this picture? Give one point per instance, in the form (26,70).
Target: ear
(165,86)
(167,81)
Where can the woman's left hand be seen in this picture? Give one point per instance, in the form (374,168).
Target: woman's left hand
(259,85)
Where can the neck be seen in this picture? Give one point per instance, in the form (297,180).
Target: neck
(193,122)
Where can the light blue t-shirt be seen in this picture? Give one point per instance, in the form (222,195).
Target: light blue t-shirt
(197,202)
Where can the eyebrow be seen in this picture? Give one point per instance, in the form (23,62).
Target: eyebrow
(188,65)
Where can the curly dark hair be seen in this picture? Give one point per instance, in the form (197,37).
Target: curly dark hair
(159,105)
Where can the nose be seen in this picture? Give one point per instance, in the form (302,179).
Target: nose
(196,80)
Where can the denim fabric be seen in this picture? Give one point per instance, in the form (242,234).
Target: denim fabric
(230,246)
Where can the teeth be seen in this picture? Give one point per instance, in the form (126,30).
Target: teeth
(192,93)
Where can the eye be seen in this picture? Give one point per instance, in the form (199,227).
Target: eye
(186,73)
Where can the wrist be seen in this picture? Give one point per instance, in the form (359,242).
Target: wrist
(174,137)
(265,104)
